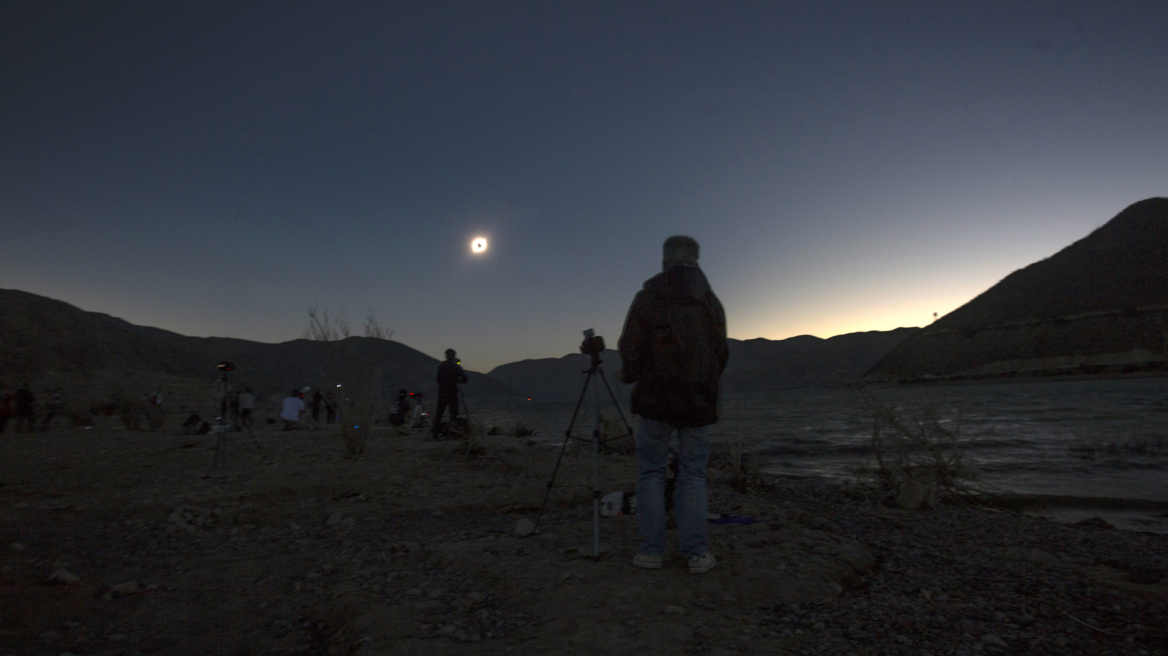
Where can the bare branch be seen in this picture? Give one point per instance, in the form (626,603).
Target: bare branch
(373,327)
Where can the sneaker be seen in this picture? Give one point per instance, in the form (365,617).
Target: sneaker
(647,561)
(700,564)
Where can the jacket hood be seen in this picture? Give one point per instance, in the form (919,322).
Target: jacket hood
(679,284)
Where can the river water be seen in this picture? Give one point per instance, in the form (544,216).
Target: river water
(1085,438)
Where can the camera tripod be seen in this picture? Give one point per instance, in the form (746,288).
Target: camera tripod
(222,425)
(592,347)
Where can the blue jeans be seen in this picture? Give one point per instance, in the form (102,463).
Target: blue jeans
(689,496)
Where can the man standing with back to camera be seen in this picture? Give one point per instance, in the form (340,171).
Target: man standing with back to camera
(674,349)
(450,374)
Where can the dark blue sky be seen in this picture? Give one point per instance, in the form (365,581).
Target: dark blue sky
(215,169)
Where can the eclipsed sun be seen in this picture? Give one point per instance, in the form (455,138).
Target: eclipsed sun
(479,245)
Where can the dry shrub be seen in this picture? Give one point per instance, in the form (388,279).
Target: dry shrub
(470,439)
(741,468)
(521,431)
(919,453)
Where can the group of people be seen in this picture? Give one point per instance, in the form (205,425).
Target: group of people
(19,405)
(293,409)
(673,349)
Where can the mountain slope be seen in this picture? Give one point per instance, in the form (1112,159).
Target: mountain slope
(1099,302)
(755,365)
(44,337)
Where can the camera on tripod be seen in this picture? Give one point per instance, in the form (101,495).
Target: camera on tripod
(593,344)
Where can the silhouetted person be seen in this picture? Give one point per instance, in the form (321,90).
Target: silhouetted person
(25,409)
(317,398)
(292,410)
(246,405)
(233,409)
(401,408)
(450,375)
(7,407)
(674,349)
(330,407)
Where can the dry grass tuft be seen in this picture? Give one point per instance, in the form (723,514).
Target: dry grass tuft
(741,468)
(919,454)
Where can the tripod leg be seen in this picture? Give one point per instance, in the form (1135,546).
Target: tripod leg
(616,403)
(563,447)
(596,490)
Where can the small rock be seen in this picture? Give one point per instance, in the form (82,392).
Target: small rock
(295,527)
(674,610)
(413,592)
(117,637)
(448,629)
(434,594)
(335,519)
(16,546)
(476,596)
(463,604)
(64,576)
(1094,522)
(349,521)
(127,588)
(991,639)
(524,527)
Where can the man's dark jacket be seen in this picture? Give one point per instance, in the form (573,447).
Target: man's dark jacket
(450,374)
(673,347)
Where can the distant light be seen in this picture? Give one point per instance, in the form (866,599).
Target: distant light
(479,245)
(528,399)
(338,385)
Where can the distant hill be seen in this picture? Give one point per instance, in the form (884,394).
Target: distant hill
(57,344)
(1096,306)
(755,365)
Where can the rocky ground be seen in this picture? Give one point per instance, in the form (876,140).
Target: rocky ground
(135,543)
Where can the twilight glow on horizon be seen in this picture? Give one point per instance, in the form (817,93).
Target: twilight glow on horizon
(217,169)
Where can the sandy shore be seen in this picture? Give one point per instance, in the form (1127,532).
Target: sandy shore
(409,550)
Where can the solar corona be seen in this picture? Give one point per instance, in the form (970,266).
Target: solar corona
(479,245)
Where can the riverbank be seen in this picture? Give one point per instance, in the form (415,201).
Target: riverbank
(410,549)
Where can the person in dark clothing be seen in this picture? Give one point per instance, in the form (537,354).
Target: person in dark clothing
(7,407)
(673,347)
(25,409)
(450,375)
(401,408)
(317,398)
(330,407)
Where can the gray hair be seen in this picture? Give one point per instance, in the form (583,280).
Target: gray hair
(680,249)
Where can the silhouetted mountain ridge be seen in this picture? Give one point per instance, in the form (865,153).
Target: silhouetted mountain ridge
(45,336)
(1096,306)
(755,365)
